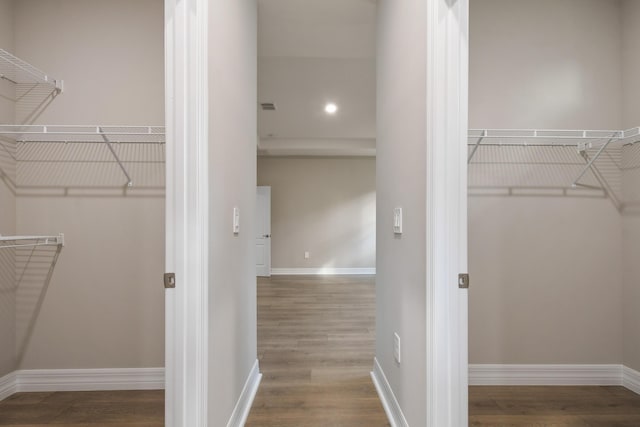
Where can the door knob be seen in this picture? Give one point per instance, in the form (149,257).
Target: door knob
(266,236)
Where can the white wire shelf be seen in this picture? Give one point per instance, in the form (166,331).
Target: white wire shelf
(110,136)
(7,242)
(587,159)
(84,134)
(17,71)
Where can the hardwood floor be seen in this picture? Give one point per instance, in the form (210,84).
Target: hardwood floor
(315,344)
(84,409)
(554,406)
(316,338)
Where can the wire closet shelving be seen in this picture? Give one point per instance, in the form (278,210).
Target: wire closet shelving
(111,137)
(12,242)
(17,71)
(564,159)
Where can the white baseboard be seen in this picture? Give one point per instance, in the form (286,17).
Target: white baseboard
(42,380)
(323,271)
(243,406)
(631,379)
(545,375)
(388,399)
(8,385)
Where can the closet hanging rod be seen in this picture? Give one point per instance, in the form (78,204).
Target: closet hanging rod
(18,71)
(31,241)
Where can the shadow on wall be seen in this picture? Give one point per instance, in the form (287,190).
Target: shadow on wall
(90,169)
(34,268)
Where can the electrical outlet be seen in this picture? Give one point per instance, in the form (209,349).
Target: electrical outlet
(396,348)
(306,255)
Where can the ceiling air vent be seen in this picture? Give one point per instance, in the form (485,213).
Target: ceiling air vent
(268,106)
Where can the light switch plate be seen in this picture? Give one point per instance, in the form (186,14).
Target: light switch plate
(397,220)
(236,220)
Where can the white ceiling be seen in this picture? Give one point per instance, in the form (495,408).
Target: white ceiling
(312,52)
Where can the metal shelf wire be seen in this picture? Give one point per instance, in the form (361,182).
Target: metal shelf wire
(76,141)
(552,159)
(17,71)
(11,242)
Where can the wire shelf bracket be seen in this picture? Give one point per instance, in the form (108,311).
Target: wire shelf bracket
(17,71)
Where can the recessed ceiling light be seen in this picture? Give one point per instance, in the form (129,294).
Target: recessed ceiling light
(330,108)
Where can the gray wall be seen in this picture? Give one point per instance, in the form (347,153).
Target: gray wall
(326,206)
(631,183)
(232,183)
(7,205)
(401,182)
(547,272)
(105,304)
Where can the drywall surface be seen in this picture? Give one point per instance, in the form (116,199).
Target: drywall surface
(546,281)
(105,305)
(551,64)
(630,63)
(7,205)
(546,271)
(401,182)
(232,183)
(326,206)
(631,185)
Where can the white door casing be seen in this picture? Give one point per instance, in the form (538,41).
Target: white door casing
(187,187)
(447,122)
(263,231)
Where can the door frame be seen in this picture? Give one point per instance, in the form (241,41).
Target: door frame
(447,123)
(187,310)
(187,187)
(268,239)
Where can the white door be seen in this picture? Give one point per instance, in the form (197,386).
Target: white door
(263,232)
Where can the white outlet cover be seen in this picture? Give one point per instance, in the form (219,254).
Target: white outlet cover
(396,348)
(397,220)
(236,220)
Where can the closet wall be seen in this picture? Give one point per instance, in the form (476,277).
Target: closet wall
(401,181)
(105,305)
(546,271)
(7,205)
(232,183)
(326,206)
(631,184)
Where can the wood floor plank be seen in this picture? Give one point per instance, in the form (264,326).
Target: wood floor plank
(316,344)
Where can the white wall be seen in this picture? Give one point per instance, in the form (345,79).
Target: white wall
(401,181)
(7,205)
(631,183)
(232,183)
(546,271)
(326,206)
(105,304)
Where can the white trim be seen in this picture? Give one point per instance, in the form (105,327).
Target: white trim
(44,380)
(89,379)
(322,271)
(187,193)
(631,379)
(8,385)
(388,399)
(446,312)
(243,406)
(521,375)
